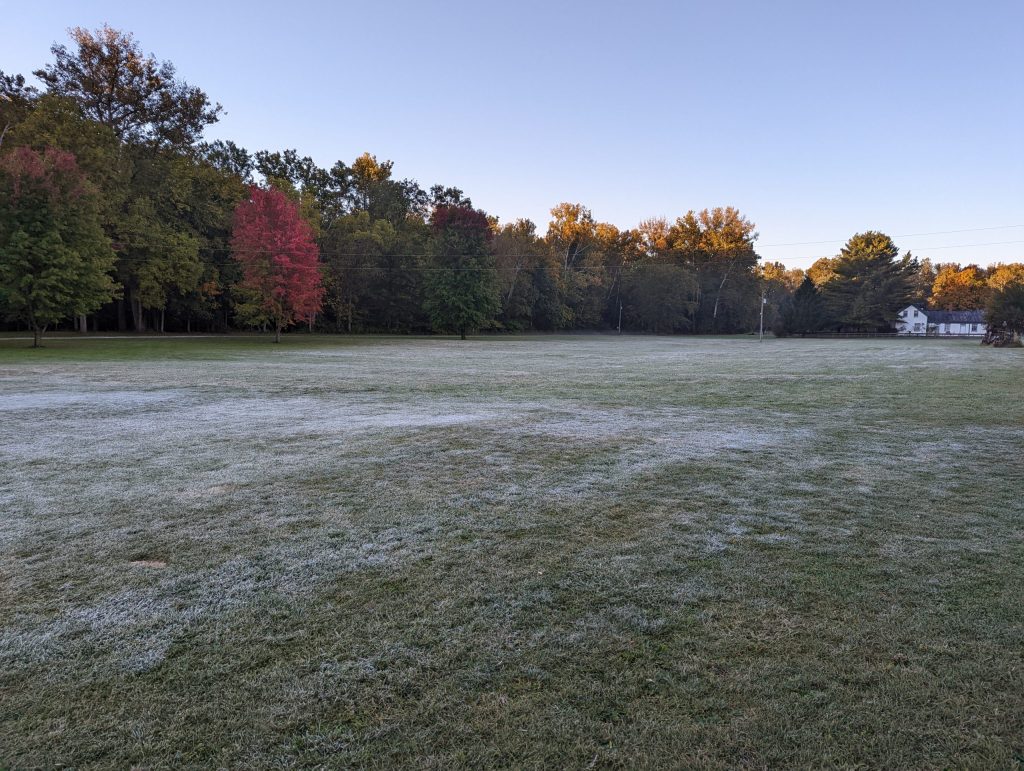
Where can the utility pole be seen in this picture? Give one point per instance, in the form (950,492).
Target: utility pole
(760,334)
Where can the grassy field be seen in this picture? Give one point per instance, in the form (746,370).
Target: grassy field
(529,552)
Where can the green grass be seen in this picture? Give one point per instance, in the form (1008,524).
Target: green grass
(529,552)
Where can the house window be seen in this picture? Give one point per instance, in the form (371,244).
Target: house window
(917,327)
(974,327)
(916,313)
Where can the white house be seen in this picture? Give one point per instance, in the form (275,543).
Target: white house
(914,320)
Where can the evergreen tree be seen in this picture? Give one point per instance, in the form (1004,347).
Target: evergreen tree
(871,282)
(805,312)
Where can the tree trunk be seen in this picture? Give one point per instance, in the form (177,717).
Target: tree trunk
(83,324)
(277,333)
(350,318)
(512,286)
(161,321)
(122,322)
(462,333)
(138,316)
(721,286)
(37,335)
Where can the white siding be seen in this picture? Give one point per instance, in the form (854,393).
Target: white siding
(914,321)
(974,330)
(911,321)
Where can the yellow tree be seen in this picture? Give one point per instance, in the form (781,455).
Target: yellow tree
(719,244)
(652,237)
(777,273)
(590,254)
(1002,274)
(822,271)
(957,289)
(572,233)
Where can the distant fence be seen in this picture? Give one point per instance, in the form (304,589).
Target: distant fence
(890,336)
(854,334)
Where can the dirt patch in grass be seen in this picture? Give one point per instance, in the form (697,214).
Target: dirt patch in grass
(148,563)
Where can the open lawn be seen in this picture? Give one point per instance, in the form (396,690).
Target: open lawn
(570,552)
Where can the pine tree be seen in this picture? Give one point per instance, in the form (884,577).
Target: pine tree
(805,313)
(871,282)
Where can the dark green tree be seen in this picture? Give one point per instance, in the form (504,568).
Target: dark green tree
(517,252)
(229,158)
(462,287)
(371,188)
(448,196)
(1004,313)
(158,246)
(548,312)
(355,255)
(211,194)
(16,101)
(660,297)
(804,313)
(54,257)
(871,283)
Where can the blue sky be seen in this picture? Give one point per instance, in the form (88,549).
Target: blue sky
(815,119)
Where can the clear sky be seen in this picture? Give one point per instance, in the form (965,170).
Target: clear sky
(816,119)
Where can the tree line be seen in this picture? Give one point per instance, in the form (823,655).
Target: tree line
(858,289)
(116,214)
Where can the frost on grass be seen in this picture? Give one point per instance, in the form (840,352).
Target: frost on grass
(132,630)
(519,503)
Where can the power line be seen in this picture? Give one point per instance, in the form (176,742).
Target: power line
(335,253)
(964,246)
(910,235)
(421,255)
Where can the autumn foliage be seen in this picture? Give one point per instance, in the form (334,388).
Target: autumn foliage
(281,282)
(54,257)
(959,289)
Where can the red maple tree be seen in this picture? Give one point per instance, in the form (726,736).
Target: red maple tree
(280,270)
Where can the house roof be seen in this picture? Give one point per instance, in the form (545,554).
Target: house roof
(955,317)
